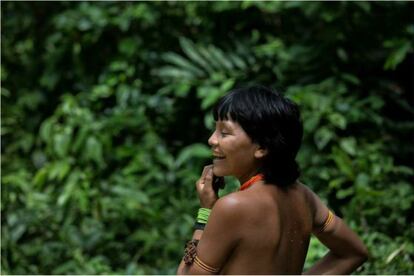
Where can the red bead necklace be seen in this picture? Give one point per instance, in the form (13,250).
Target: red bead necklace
(251,181)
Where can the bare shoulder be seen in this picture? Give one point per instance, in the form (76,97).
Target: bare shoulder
(230,207)
(319,209)
(230,203)
(304,188)
(309,195)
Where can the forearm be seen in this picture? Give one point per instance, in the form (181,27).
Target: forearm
(207,197)
(333,264)
(196,236)
(346,250)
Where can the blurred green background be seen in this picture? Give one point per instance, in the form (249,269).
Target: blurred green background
(105,115)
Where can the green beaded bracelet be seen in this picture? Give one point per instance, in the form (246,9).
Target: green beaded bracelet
(203,214)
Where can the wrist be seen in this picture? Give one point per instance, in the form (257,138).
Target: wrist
(202,215)
(202,218)
(207,205)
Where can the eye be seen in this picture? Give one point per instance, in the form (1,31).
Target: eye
(223,133)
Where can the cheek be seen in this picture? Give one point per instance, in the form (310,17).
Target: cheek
(240,155)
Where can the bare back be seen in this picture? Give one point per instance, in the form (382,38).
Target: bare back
(266,230)
(276,227)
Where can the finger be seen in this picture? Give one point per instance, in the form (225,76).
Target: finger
(200,182)
(208,180)
(205,170)
(203,175)
(199,186)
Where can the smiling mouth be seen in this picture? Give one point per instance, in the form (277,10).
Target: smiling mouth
(218,157)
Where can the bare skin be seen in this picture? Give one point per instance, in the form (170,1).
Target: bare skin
(266,229)
(264,236)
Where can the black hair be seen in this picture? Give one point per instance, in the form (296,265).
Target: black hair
(271,121)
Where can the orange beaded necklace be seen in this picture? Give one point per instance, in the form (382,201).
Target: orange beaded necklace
(251,181)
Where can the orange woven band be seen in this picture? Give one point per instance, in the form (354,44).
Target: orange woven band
(328,221)
(205,266)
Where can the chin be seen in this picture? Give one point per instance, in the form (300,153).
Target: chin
(218,172)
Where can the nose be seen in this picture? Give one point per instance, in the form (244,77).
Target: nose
(212,141)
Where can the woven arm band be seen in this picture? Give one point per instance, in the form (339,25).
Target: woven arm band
(330,218)
(190,257)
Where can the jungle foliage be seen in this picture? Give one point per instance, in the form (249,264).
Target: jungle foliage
(105,114)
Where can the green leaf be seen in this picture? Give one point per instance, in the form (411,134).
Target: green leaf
(348,145)
(209,56)
(337,120)
(46,129)
(179,61)
(343,193)
(209,95)
(192,52)
(128,46)
(400,49)
(351,78)
(227,85)
(209,121)
(58,170)
(101,91)
(322,137)
(93,150)
(40,177)
(192,151)
(61,141)
(236,60)
(80,138)
(311,122)
(220,58)
(173,72)
(18,231)
(138,196)
(70,185)
(343,162)
(182,89)
(342,54)
(336,183)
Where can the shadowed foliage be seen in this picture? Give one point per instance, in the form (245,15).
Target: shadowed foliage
(106,111)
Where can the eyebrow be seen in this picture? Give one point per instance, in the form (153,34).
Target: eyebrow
(226,125)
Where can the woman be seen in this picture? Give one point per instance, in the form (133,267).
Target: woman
(265,227)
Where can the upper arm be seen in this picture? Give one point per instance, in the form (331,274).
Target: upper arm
(337,236)
(318,208)
(220,235)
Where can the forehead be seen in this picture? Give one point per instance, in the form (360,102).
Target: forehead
(230,124)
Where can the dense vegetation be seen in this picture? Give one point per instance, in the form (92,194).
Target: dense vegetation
(105,112)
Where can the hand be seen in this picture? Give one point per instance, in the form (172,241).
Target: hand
(204,186)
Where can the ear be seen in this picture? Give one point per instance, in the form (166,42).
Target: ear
(260,152)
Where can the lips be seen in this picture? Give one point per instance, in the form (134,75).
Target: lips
(218,156)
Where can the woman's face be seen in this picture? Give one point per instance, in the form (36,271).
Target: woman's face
(233,151)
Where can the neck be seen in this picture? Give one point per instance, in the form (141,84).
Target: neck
(247,176)
(251,171)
